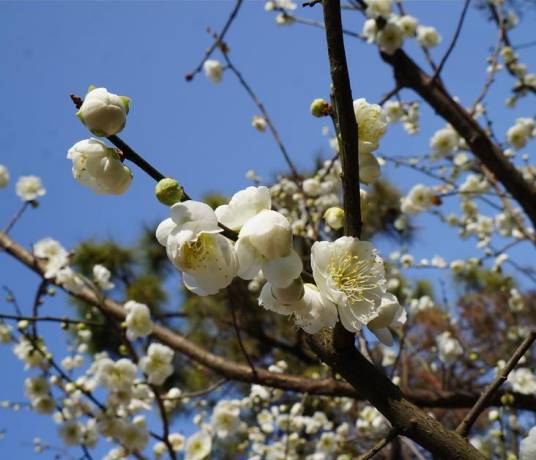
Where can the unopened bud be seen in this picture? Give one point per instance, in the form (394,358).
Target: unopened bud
(507,399)
(320,108)
(168,191)
(334,217)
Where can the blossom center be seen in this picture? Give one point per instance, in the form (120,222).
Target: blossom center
(353,276)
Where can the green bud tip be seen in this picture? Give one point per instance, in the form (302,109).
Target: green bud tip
(168,191)
(126,102)
(90,88)
(320,108)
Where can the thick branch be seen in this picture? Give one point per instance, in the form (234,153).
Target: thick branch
(409,75)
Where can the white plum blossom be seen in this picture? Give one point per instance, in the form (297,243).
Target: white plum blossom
(390,38)
(198,446)
(138,320)
(408,24)
(29,188)
(521,132)
(244,205)
(194,245)
(101,276)
(71,433)
(371,125)
(444,141)
(419,199)
(259,123)
(350,273)
(226,418)
(104,113)
(370,28)
(134,436)
(393,111)
(157,364)
(527,448)
(52,254)
(523,381)
(428,36)
(99,167)
(4,176)
(311,186)
(115,375)
(5,333)
(70,280)
(213,70)
(265,242)
(390,315)
(377,8)
(448,347)
(34,354)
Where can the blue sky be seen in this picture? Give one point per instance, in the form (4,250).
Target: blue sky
(197,132)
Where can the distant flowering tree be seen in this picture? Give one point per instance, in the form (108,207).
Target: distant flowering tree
(296,338)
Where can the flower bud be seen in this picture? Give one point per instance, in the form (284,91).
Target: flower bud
(103,113)
(168,191)
(334,217)
(507,399)
(213,70)
(320,108)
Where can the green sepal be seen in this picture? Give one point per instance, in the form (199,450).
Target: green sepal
(90,88)
(126,102)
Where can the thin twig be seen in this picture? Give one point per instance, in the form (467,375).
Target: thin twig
(16,217)
(452,43)
(51,319)
(218,41)
(468,421)
(393,433)
(239,337)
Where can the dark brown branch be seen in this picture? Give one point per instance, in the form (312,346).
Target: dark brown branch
(218,41)
(486,397)
(346,121)
(409,75)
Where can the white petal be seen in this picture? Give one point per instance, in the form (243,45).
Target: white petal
(384,335)
(281,272)
(249,260)
(244,205)
(195,216)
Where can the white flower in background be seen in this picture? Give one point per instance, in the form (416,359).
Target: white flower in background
(259,123)
(99,167)
(103,113)
(270,5)
(393,111)
(390,38)
(444,141)
(284,19)
(520,133)
(71,433)
(33,354)
(527,448)
(35,387)
(377,8)
(177,441)
(408,24)
(523,381)
(70,280)
(4,176)
(448,347)
(265,242)
(134,436)
(157,364)
(312,187)
(115,375)
(428,36)
(370,420)
(349,273)
(370,29)
(5,333)
(198,446)
(226,418)
(53,255)
(138,320)
(193,243)
(474,183)
(213,70)
(334,217)
(390,315)
(511,20)
(516,302)
(369,168)
(244,205)
(419,199)
(29,188)
(371,125)
(101,276)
